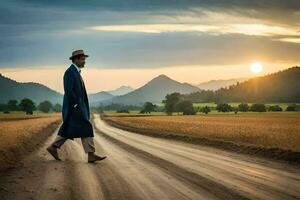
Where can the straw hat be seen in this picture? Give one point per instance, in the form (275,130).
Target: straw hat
(78,53)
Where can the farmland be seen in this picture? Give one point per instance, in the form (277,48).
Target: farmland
(271,130)
(20,133)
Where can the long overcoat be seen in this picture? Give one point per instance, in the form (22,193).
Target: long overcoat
(76,120)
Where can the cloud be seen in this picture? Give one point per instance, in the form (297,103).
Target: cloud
(148,34)
(246,29)
(290,39)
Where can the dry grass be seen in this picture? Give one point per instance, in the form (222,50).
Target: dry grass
(20,136)
(21,115)
(280,130)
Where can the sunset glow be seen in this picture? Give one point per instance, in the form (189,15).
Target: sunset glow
(256,67)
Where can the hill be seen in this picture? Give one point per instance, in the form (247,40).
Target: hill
(282,86)
(121,90)
(217,84)
(99,96)
(154,91)
(11,89)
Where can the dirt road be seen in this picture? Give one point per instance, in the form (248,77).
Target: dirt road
(142,167)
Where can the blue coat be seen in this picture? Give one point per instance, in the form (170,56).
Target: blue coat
(75,120)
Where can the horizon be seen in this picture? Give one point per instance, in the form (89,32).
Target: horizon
(134,88)
(130,42)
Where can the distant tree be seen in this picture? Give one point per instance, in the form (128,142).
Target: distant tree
(186,107)
(275,108)
(12,105)
(57,108)
(243,107)
(123,111)
(27,105)
(205,109)
(45,106)
(3,107)
(235,110)
(292,107)
(148,107)
(258,107)
(224,107)
(114,107)
(170,102)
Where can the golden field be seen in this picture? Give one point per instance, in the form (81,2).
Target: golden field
(20,133)
(280,130)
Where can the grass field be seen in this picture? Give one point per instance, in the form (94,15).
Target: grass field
(281,130)
(21,115)
(20,133)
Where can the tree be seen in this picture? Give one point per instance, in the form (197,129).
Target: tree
(243,107)
(3,107)
(275,108)
(205,109)
(292,107)
(12,105)
(57,108)
(170,101)
(186,107)
(27,106)
(224,107)
(123,111)
(148,107)
(45,106)
(258,107)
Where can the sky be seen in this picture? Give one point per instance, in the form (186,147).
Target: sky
(129,42)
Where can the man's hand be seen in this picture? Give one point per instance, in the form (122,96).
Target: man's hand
(75,105)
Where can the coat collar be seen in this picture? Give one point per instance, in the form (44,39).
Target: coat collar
(77,68)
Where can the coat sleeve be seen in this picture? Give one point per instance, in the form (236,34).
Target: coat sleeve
(68,87)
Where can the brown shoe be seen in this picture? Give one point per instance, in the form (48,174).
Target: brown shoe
(93,157)
(53,151)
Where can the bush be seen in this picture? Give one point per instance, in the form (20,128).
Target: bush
(189,111)
(224,107)
(258,107)
(205,109)
(186,107)
(243,107)
(148,107)
(275,108)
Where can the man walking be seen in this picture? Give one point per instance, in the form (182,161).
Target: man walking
(75,111)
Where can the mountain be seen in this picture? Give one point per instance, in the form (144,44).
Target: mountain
(11,89)
(99,96)
(121,90)
(217,84)
(279,87)
(153,91)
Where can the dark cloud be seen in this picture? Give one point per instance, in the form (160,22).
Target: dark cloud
(40,32)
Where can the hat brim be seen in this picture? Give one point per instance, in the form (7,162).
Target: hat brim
(78,56)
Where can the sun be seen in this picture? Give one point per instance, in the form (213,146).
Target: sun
(256,67)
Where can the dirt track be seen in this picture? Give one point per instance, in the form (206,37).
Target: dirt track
(142,167)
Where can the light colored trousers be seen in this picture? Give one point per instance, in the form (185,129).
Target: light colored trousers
(87,143)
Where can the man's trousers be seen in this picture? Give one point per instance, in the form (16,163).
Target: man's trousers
(87,143)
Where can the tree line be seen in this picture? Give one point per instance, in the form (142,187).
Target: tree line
(28,106)
(176,102)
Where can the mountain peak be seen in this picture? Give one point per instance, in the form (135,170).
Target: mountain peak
(162,77)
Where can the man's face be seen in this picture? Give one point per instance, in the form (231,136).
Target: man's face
(80,61)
